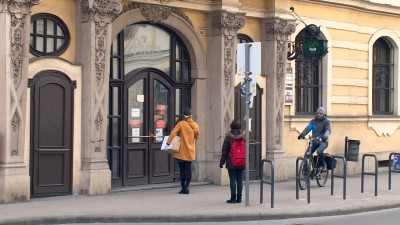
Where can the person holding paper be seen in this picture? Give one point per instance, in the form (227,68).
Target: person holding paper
(189,131)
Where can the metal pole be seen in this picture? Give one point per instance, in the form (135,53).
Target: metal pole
(247,80)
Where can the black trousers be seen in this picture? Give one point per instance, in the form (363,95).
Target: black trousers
(236,180)
(185,168)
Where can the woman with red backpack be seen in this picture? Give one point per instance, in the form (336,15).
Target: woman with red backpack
(234,156)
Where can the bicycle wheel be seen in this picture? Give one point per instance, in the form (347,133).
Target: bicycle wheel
(322,177)
(303,175)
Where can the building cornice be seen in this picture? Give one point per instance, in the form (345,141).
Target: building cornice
(359,5)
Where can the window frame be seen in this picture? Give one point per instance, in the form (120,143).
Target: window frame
(389,105)
(58,22)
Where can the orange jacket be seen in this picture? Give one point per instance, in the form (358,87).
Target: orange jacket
(188,130)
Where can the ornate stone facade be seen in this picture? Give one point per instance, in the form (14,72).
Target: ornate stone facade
(156,13)
(18,10)
(278,30)
(102,13)
(227,24)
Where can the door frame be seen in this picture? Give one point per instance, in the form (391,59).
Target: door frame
(31,84)
(131,78)
(257,105)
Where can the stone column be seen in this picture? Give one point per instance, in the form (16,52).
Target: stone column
(14,61)
(94,41)
(14,49)
(222,29)
(274,38)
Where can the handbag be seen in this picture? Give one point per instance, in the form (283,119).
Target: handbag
(175,145)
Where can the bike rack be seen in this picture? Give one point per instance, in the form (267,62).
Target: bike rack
(298,178)
(344,177)
(373,174)
(392,170)
(270,181)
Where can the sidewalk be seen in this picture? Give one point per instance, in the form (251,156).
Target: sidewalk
(206,203)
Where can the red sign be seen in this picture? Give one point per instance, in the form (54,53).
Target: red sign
(135,123)
(161,124)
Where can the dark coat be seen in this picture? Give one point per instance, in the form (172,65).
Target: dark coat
(226,148)
(319,127)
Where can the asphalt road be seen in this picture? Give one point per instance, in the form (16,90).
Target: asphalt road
(382,217)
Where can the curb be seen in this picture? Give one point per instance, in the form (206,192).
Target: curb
(192,218)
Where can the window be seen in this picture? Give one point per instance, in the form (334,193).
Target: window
(243,38)
(310,50)
(49,35)
(382,82)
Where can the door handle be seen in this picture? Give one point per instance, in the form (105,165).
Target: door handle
(144,136)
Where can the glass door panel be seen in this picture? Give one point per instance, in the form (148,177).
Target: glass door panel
(161,115)
(135,115)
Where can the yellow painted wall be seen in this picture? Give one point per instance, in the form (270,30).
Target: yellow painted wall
(349,54)
(370,142)
(66,11)
(251,28)
(349,110)
(254,3)
(198,19)
(350,91)
(343,72)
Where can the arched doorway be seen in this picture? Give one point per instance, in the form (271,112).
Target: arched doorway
(255,147)
(150,84)
(52,94)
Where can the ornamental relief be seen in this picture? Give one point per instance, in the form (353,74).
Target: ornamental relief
(227,24)
(102,12)
(156,13)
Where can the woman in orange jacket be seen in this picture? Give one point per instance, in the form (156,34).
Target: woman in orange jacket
(188,130)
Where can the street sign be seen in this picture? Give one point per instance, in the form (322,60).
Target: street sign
(255,56)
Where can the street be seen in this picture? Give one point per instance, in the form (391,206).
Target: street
(382,217)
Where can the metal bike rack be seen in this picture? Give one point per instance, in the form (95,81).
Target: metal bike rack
(392,170)
(270,181)
(373,174)
(298,178)
(344,177)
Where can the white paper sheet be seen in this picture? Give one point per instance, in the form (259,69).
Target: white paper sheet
(164,143)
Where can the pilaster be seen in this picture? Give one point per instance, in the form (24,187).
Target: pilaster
(95,39)
(275,33)
(222,27)
(14,48)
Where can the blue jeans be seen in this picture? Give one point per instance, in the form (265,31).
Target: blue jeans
(236,179)
(320,147)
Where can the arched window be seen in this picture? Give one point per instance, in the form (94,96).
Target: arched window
(244,38)
(310,49)
(382,82)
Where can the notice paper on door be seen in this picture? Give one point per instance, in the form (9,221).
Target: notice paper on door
(164,143)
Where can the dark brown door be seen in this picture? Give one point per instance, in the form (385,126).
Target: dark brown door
(255,132)
(51,134)
(148,116)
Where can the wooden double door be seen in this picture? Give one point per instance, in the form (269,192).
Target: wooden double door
(51,134)
(148,115)
(255,133)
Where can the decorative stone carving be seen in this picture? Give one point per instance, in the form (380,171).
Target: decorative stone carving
(156,13)
(102,12)
(15,122)
(228,23)
(98,121)
(279,30)
(18,10)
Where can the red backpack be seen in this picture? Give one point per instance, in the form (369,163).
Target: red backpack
(238,152)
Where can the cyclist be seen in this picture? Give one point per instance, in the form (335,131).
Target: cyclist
(321,129)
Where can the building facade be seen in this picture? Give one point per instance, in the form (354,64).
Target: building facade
(90,87)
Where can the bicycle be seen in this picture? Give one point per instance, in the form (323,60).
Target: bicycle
(320,173)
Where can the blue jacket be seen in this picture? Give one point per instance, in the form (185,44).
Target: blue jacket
(319,127)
